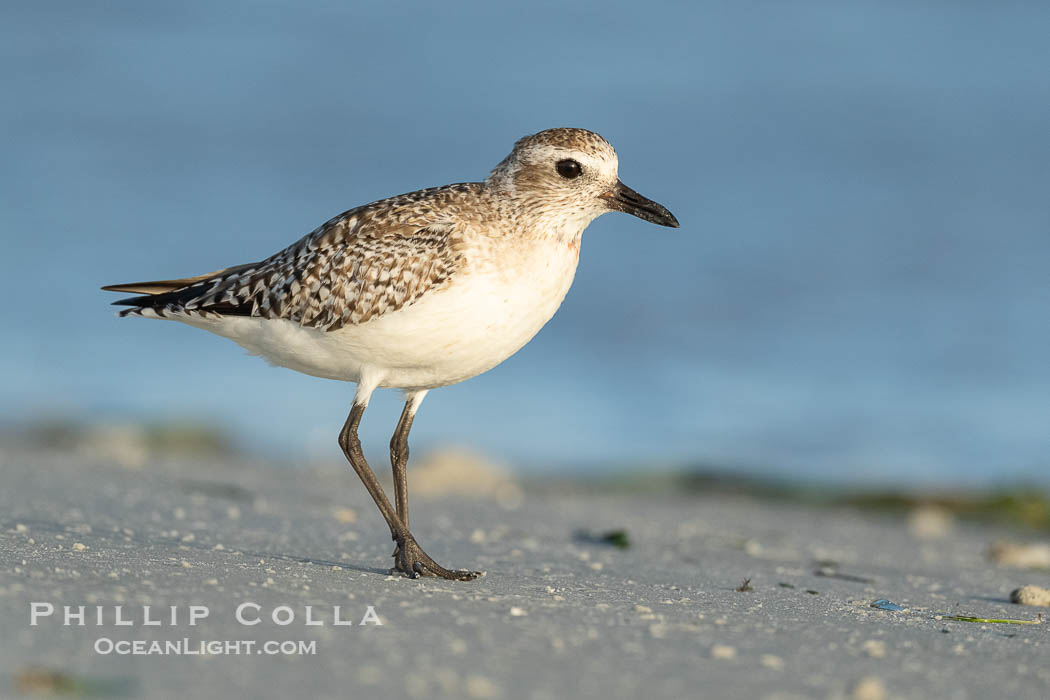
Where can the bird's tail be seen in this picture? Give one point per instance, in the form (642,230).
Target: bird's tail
(157,286)
(161,294)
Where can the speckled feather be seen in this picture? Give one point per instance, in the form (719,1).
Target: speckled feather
(364,263)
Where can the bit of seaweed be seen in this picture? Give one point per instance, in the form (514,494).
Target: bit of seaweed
(989,620)
(1023,505)
(615,538)
(883,604)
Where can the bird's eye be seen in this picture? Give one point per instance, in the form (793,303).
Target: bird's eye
(568,168)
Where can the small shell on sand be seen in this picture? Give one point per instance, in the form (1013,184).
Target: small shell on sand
(723,651)
(1030,595)
(868,688)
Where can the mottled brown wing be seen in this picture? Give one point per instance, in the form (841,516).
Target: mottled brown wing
(354,268)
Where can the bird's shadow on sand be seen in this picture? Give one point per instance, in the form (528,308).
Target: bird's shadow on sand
(319,562)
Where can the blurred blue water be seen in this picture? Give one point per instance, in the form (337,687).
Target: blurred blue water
(859,288)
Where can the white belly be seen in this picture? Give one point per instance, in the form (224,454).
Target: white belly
(481,318)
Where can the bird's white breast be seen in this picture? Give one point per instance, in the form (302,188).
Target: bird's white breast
(486,313)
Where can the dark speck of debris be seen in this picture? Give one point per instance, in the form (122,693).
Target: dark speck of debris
(745,587)
(616,538)
(812,592)
(831,571)
(786,585)
(232,492)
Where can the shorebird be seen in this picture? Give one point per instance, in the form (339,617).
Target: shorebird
(415,292)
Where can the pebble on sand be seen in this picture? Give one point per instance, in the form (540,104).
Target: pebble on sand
(723,651)
(1030,595)
(345,515)
(772,661)
(868,688)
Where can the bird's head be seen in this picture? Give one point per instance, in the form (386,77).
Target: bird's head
(571,175)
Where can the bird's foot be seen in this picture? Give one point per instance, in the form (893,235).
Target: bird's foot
(412,561)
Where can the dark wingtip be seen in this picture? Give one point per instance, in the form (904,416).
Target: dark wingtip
(138,287)
(132,301)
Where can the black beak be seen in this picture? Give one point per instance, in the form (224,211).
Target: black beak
(623,198)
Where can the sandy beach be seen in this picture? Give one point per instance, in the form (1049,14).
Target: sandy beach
(719,596)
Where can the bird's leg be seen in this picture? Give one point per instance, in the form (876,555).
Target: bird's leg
(351,446)
(410,557)
(399,457)
(399,453)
